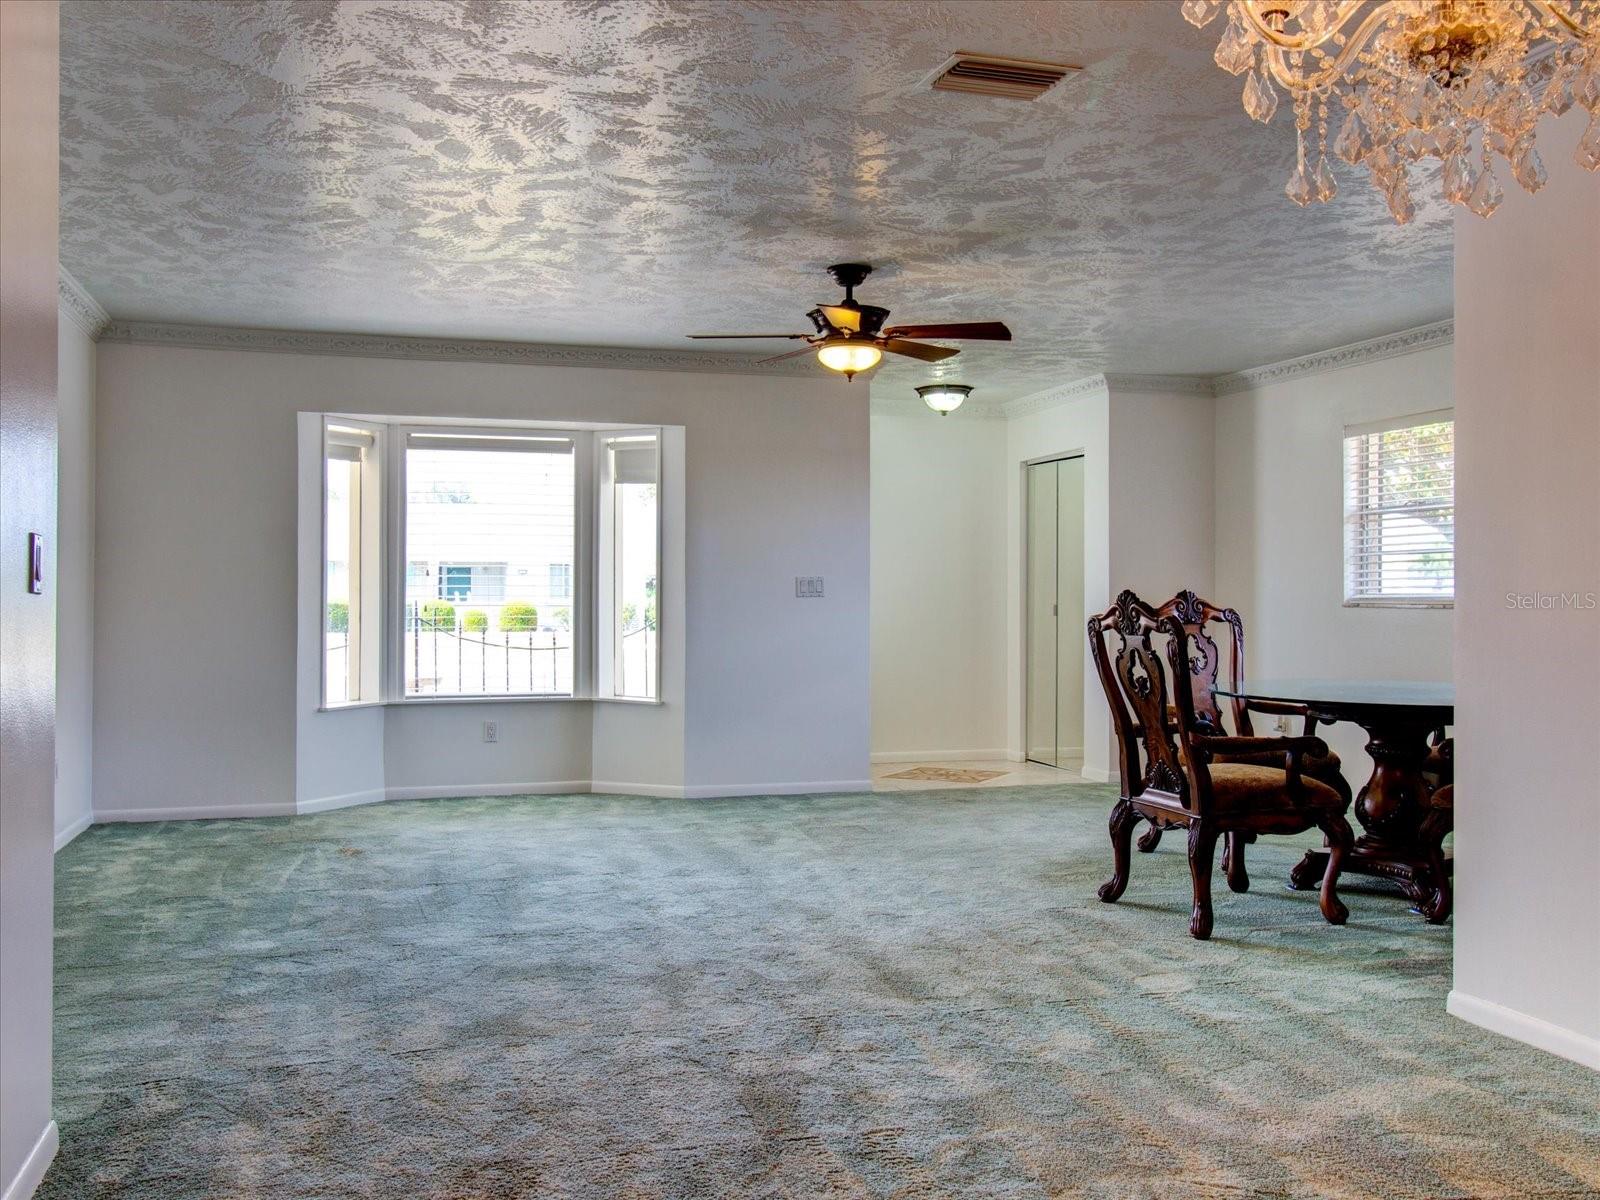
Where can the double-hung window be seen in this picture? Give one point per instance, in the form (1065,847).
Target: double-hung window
(525,562)
(629,559)
(352,593)
(1399,511)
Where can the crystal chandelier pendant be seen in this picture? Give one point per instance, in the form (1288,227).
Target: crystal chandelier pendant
(1299,188)
(1327,187)
(1351,144)
(1486,193)
(1589,147)
(1448,80)
(1260,101)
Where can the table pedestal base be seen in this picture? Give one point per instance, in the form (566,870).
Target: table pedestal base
(1427,884)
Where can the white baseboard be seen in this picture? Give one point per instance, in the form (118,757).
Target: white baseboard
(63,836)
(31,1173)
(821,787)
(1097,774)
(558,787)
(1519,1026)
(201,812)
(924,756)
(664,791)
(347,800)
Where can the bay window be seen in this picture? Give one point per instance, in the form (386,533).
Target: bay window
(503,561)
(352,590)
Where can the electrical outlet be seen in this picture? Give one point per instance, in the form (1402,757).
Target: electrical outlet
(1284,725)
(491,731)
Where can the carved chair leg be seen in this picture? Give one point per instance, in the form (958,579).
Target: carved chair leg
(1150,838)
(1436,902)
(1233,871)
(1341,841)
(1202,850)
(1123,818)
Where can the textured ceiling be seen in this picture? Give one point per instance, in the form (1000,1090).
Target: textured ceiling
(627,173)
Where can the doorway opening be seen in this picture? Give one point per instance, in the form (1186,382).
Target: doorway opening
(1053,585)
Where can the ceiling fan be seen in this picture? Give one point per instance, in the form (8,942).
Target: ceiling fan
(851,336)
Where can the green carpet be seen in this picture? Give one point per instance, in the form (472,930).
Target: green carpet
(902,995)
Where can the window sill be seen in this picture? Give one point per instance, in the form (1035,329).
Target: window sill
(433,701)
(1399,604)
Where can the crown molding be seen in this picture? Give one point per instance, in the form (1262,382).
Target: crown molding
(1179,385)
(86,313)
(366,345)
(1022,406)
(1392,345)
(78,306)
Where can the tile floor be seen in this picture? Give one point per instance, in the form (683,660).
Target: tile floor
(1012,774)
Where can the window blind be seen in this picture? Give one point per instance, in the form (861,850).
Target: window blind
(1399,511)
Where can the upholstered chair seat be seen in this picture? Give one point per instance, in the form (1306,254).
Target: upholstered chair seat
(1325,768)
(1239,785)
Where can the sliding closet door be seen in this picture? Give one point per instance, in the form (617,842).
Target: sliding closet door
(1041,632)
(1072,642)
(1055,618)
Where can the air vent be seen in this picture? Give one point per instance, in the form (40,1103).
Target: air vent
(1011,78)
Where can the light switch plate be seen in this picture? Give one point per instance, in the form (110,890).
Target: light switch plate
(808,587)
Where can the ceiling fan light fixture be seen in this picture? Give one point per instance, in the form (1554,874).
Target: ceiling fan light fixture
(848,356)
(944,398)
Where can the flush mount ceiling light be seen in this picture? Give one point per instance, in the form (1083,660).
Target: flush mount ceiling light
(944,398)
(1456,80)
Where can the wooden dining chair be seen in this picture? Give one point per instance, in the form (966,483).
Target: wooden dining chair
(1169,769)
(1207,624)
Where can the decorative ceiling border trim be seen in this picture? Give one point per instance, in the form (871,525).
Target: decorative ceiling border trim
(1179,385)
(1391,345)
(82,309)
(1053,397)
(366,345)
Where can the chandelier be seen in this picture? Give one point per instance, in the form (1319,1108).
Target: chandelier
(1456,80)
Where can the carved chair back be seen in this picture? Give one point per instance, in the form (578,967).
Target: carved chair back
(1206,626)
(1150,761)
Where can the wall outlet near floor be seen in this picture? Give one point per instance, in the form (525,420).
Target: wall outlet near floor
(491,731)
(1285,725)
(808,587)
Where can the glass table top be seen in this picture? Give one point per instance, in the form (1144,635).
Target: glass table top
(1398,692)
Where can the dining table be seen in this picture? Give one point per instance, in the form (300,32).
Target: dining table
(1397,842)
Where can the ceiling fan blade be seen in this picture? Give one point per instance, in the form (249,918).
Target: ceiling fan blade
(919,350)
(841,317)
(780,357)
(984,331)
(748,335)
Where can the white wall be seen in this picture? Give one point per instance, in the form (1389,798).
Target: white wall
(1081,425)
(28,320)
(1527,904)
(74,583)
(1162,535)
(195,697)
(938,588)
(1280,532)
